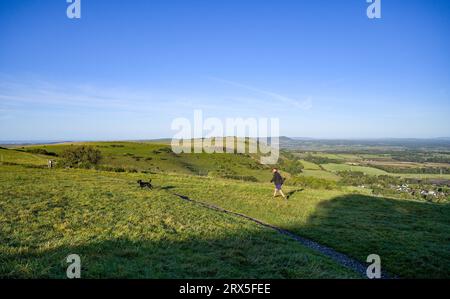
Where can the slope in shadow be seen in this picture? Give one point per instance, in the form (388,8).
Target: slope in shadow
(412,238)
(259,254)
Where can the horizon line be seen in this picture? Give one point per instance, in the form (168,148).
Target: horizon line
(294,138)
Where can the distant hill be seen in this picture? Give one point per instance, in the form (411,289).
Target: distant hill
(301,143)
(158,157)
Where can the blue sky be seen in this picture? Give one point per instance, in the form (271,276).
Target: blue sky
(126,69)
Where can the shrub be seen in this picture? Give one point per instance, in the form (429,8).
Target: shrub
(247,178)
(41,151)
(81,156)
(357,178)
(320,160)
(311,182)
(295,167)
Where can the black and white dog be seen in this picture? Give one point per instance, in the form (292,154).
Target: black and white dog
(145,184)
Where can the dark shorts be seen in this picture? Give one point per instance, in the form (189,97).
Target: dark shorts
(278,186)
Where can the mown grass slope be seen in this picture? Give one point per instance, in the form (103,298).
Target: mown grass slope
(411,237)
(121,231)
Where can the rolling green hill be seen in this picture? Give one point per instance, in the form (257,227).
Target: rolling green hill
(17,157)
(122,231)
(153,157)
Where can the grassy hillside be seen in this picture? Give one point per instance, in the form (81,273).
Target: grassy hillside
(151,157)
(158,157)
(11,156)
(411,237)
(48,213)
(121,231)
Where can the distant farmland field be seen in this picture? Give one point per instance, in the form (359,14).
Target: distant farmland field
(321,174)
(334,167)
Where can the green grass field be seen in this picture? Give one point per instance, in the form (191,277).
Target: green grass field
(123,231)
(334,167)
(310,165)
(410,236)
(340,157)
(321,174)
(17,157)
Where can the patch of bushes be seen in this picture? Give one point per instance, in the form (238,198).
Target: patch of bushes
(230,174)
(34,166)
(109,168)
(419,170)
(320,160)
(24,165)
(290,163)
(357,178)
(311,182)
(421,157)
(41,151)
(9,163)
(247,178)
(82,156)
(166,150)
(148,172)
(294,167)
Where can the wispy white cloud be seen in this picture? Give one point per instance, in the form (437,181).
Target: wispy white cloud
(305,104)
(37,94)
(19,95)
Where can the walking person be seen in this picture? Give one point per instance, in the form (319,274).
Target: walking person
(278,180)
